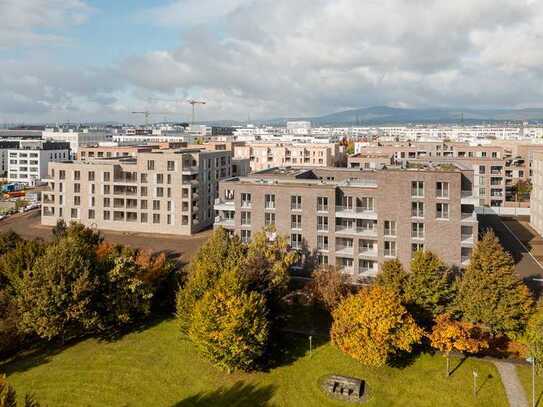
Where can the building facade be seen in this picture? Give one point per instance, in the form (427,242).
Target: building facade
(163,191)
(536,198)
(356,219)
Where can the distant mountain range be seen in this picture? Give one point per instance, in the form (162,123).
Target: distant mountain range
(382,115)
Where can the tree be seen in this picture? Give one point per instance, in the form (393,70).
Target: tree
(448,335)
(392,276)
(229,325)
(534,336)
(490,293)
(59,230)
(10,337)
(19,259)
(329,286)
(373,325)
(57,296)
(8,396)
(428,288)
(220,253)
(127,297)
(8,241)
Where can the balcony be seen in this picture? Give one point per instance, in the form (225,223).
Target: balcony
(125,180)
(344,251)
(189,171)
(468,217)
(353,230)
(467,240)
(465,261)
(367,271)
(468,198)
(355,212)
(368,253)
(225,222)
(224,205)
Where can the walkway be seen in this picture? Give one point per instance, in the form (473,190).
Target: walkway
(511,383)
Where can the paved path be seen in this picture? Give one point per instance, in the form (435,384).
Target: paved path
(511,383)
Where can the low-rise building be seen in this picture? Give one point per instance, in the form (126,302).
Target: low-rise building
(161,191)
(29,160)
(357,219)
(76,138)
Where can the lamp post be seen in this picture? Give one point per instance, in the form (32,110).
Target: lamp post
(531,360)
(475,374)
(310,344)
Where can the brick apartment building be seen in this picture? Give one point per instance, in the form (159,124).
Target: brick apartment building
(357,219)
(536,204)
(161,191)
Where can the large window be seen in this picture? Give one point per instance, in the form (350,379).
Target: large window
(417,209)
(296,202)
(270,201)
(417,230)
(245,218)
(245,200)
(245,235)
(322,203)
(296,221)
(322,242)
(389,249)
(322,223)
(442,211)
(390,228)
(442,189)
(296,240)
(269,218)
(417,189)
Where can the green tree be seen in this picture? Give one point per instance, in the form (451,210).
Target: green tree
(534,336)
(490,293)
(19,259)
(428,287)
(373,325)
(59,230)
(10,337)
(219,254)
(8,396)
(230,325)
(392,276)
(57,295)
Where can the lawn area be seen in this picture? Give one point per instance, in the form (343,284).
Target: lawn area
(159,367)
(525,376)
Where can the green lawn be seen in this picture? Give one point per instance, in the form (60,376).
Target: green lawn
(525,375)
(159,367)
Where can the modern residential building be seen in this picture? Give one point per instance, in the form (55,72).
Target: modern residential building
(357,219)
(76,138)
(536,203)
(162,191)
(269,155)
(28,161)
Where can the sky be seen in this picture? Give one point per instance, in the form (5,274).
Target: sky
(99,60)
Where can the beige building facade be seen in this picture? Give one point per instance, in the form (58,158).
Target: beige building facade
(163,191)
(536,203)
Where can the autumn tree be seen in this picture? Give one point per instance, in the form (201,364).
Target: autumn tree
(534,336)
(229,325)
(393,276)
(451,335)
(373,325)
(329,286)
(490,293)
(220,253)
(17,260)
(428,287)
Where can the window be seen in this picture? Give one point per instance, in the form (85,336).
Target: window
(296,202)
(91,176)
(245,200)
(322,203)
(156,218)
(73,213)
(415,247)
(323,259)
(77,200)
(150,165)
(143,178)
(442,189)
(366,204)
(417,189)
(143,204)
(269,218)
(322,242)
(107,189)
(159,192)
(269,201)
(171,165)
(245,236)
(389,249)
(322,223)
(417,209)
(77,175)
(442,211)
(143,191)
(390,228)
(417,230)
(169,179)
(156,205)
(107,215)
(77,188)
(106,202)
(296,241)
(245,218)
(482,169)
(107,176)
(143,218)
(159,179)
(169,219)
(91,213)
(296,221)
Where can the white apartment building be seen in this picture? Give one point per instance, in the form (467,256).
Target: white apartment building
(28,163)
(300,127)
(76,138)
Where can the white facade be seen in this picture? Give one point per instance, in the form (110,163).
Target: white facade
(28,163)
(76,138)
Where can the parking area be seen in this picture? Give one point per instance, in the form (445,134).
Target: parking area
(28,226)
(519,239)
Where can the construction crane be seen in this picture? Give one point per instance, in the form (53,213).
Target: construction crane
(147,114)
(194,103)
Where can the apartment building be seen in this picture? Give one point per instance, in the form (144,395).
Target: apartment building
(29,160)
(357,219)
(76,138)
(492,165)
(269,155)
(162,191)
(536,198)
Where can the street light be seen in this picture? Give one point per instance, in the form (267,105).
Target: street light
(531,360)
(475,374)
(310,344)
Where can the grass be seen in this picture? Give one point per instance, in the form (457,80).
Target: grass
(158,366)
(525,376)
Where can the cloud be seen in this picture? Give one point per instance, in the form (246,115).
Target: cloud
(306,57)
(37,22)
